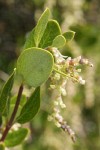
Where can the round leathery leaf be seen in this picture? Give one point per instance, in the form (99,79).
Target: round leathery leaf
(35,66)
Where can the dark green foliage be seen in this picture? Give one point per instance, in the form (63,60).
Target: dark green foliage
(5,93)
(31,107)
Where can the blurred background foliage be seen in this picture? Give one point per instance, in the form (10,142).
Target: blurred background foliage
(17,18)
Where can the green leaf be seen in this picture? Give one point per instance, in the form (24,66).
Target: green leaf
(52,30)
(59,41)
(22,101)
(41,26)
(2,146)
(69,35)
(31,107)
(6,111)
(36,34)
(12,106)
(16,137)
(30,40)
(35,66)
(5,93)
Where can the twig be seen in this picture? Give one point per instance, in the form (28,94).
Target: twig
(10,122)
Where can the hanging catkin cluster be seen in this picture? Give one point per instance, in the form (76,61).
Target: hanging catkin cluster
(65,68)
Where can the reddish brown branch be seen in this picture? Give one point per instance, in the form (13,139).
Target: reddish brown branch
(10,122)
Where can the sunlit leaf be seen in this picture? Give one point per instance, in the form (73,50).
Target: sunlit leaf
(35,66)
(41,26)
(52,30)
(59,41)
